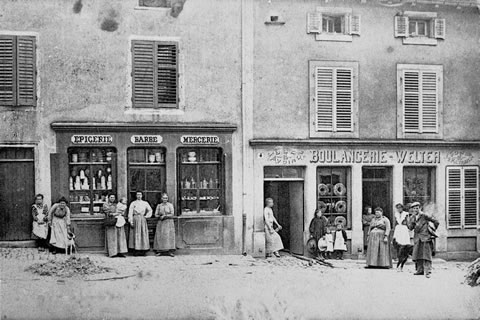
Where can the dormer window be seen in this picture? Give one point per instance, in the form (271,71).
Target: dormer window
(421,28)
(333,24)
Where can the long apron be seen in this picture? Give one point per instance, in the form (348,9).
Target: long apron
(164,235)
(273,241)
(58,237)
(138,238)
(116,240)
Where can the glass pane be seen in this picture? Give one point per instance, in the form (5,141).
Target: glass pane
(136,179)
(412,27)
(210,201)
(154,180)
(338,24)
(418,185)
(136,155)
(332,194)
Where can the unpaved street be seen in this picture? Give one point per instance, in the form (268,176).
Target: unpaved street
(205,287)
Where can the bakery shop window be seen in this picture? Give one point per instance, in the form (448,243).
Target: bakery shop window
(147,173)
(334,195)
(92,175)
(418,185)
(200,181)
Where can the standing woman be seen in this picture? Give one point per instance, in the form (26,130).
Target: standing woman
(59,220)
(401,234)
(378,252)
(137,214)
(366,219)
(273,242)
(164,241)
(40,220)
(116,239)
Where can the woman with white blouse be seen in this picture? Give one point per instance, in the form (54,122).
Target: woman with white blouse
(138,213)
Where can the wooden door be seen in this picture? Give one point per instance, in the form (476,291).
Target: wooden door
(17,188)
(296,217)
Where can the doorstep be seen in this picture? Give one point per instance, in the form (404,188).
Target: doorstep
(18,244)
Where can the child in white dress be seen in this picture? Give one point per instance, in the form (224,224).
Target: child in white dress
(339,241)
(329,239)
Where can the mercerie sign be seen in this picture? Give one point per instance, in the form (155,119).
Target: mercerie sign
(91,139)
(191,139)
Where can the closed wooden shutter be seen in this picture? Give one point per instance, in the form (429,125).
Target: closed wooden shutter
(401,26)
(439,28)
(334,99)
(7,71)
(355,25)
(462,197)
(154,74)
(314,22)
(26,71)
(420,101)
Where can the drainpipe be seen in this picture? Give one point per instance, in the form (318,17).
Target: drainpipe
(247,117)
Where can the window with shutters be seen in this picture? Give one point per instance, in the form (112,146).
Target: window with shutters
(462,197)
(419,95)
(155,74)
(333,24)
(333,99)
(422,28)
(18,71)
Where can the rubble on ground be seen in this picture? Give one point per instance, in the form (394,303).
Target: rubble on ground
(73,266)
(473,273)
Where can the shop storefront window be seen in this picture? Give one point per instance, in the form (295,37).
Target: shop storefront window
(146,173)
(418,185)
(334,194)
(200,180)
(92,175)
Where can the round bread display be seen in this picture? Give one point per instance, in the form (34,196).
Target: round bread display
(330,189)
(322,189)
(341,220)
(341,207)
(339,189)
(321,205)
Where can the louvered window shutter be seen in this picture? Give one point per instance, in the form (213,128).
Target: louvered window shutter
(439,28)
(167,75)
(470,196)
(143,74)
(334,99)
(314,22)
(420,101)
(7,71)
(454,197)
(26,71)
(355,25)
(401,26)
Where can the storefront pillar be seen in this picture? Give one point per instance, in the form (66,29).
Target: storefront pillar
(357,228)
(397,186)
(310,194)
(441,212)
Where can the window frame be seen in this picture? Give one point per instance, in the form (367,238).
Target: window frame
(430,18)
(17,100)
(401,132)
(314,133)
(350,24)
(462,190)
(432,176)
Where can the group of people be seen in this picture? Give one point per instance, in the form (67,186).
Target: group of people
(377,231)
(52,227)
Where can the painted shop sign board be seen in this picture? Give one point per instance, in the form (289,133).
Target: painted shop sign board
(146,139)
(284,156)
(91,139)
(206,140)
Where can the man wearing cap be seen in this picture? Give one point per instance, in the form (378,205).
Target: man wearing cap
(423,242)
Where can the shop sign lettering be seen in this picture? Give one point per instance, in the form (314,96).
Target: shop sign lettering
(284,157)
(374,156)
(200,139)
(91,139)
(146,139)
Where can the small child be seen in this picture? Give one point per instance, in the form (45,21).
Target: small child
(120,214)
(329,239)
(339,242)
(322,247)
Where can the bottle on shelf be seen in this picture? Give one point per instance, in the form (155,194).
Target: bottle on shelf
(70,183)
(82,174)
(85,185)
(78,185)
(211,185)
(103,183)
(109,182)
(194,184)
(217,183)
(204,183)
(94,183)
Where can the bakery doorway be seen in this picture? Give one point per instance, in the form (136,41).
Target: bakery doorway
(285,186)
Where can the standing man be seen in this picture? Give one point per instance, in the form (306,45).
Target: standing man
(423,242)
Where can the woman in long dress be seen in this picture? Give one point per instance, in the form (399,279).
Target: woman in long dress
(164,242)
(59,220)
(116,239)
(378,252)
(138,212)
(40,222)
(273,242)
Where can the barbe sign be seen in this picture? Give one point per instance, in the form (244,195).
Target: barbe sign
(91,139)
(200,140)
(146,139)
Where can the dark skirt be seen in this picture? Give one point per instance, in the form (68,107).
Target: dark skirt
(378,252)
(422,251)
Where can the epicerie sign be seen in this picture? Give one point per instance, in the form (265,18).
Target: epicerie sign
(200,140)
(146,139)
(91,139)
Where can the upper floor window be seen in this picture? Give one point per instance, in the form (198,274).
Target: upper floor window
(420,94)
(423,28)
(154,74)
(333,99)
(17,71)
(333,24)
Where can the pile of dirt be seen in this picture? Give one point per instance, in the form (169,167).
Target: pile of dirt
(473,273)
(73,266)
